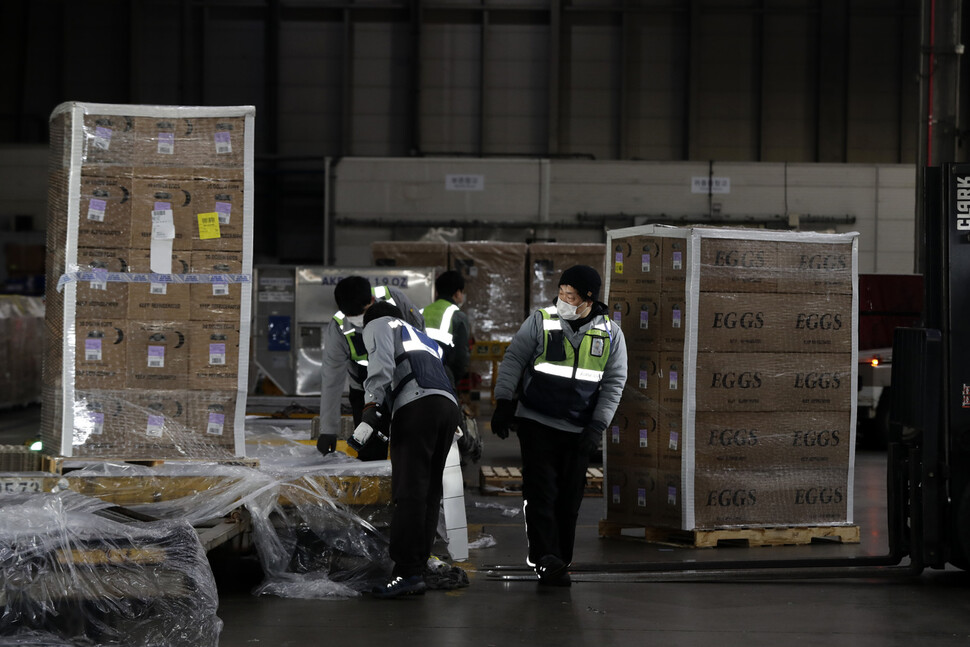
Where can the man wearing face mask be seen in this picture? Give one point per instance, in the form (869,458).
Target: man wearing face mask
(567,365)
(345,357)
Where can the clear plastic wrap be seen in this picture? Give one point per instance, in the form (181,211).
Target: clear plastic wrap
(316,520)
(72,575)
(149,281)
(739,407)
(548,260)
(21,339)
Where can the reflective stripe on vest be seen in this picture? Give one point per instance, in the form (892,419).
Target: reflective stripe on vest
(354,335)
(437,321)
(565,380)
(588,367)
(423,355)
(358,353)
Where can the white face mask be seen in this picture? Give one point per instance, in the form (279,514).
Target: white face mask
(357,320)
(567,311)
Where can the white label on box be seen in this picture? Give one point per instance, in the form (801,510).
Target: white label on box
(100,281)
(158,288)
(616,494)
(102,138)
(645,263)
(615,434)
(678,260)
(156,357)
(223,142)
(676,318)
(220,289)
(166,143)
(155,426)
(217,354)
(673,380)
(97,423)
(217,422)
(643,438)
(163,221)
(96,209)
(674,440)
(224,209)
(92,350)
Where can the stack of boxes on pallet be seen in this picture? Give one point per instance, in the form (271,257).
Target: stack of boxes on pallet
(504,282)
(149,259)
(739,405)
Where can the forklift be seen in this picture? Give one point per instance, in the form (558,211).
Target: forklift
(928,476)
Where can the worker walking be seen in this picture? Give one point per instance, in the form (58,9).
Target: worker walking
(448,325)
(345,357)
(567,364)
(408,394)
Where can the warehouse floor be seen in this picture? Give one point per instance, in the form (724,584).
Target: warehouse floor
(931,609)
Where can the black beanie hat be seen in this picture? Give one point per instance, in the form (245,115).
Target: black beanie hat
(584,278)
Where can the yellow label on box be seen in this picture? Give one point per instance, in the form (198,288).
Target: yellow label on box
(209,226)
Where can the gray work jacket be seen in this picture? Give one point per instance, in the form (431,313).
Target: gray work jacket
(526,346)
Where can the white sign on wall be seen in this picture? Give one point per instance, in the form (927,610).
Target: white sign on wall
(699,184)
(464,182)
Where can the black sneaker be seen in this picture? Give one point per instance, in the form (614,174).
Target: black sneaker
(552,571)
(400,587)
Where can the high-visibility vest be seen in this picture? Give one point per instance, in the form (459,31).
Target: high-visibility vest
(565,380)
(423,355)
(355,337)
(438,321)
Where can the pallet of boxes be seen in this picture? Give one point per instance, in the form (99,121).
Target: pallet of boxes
(738,420)
(149,264)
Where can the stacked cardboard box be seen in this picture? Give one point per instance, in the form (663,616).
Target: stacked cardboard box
(21,337)
(739,406)
(548,260)
(415,253)
(149,258)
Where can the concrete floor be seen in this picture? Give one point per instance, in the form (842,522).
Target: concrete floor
(931,609)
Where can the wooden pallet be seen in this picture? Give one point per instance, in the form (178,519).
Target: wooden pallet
(507,481)
(771,536)
(55,464)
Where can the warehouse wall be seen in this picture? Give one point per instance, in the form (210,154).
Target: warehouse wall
(573,200)
(777,81)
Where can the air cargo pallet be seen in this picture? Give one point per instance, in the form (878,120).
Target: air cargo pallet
(55,464)
(507,481)
(750,536)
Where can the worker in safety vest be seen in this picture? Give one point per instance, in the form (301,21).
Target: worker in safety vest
(567,364)
(448,325)
(345,357)
(409,395)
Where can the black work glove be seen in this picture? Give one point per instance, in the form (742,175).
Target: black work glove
(589,440)
(502,418)
(375,416)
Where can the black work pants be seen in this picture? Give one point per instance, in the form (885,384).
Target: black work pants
(554,466)
(421,436)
